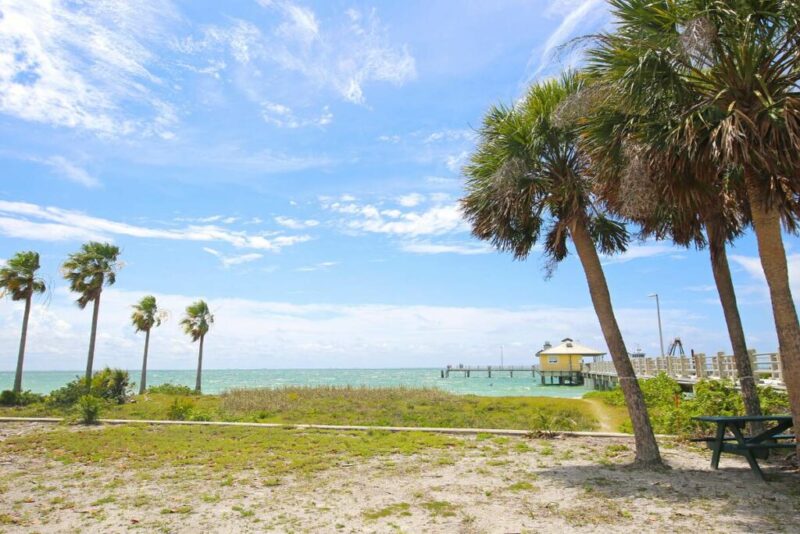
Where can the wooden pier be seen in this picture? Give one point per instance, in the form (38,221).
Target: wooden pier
(467,370)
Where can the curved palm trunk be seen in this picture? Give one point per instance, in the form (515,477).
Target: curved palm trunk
(143,384)
(23,337)
(727,297)
(92,338)
(647,453)
(767,227)
(199,381)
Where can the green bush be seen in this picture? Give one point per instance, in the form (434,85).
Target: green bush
(23,398)
(180,410)
(109,384)
(89,408)
(671,411)
(172,389)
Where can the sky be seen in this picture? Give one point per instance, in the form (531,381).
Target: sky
(298,165)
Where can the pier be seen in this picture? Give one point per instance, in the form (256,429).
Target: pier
(686,370)
(467,370)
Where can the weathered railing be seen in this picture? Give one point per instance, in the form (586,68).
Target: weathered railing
(766,366)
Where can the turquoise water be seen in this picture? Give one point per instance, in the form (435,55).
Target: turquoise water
(218,380)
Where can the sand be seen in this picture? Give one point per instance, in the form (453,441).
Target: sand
(578,484)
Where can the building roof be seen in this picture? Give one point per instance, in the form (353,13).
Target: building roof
(567,346)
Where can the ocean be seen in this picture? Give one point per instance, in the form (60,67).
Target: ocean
(219,380)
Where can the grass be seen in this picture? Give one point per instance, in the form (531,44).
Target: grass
(401,508)
(191,452)
(395,406)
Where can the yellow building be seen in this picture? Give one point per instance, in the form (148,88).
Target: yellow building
(562,364)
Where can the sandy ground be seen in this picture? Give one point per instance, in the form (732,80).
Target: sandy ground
(508,485)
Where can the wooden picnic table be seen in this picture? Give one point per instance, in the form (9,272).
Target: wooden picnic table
(751,447)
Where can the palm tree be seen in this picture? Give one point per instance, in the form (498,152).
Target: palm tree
(94,266)
(656,187)
(732,70)
(196,323)
(18,279)
(145,316)
(526,176)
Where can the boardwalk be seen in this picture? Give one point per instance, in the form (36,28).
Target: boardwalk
(467,371)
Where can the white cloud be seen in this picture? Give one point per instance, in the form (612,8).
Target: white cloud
(31,221)
(636,252)
(228,261)
(70,171)
(317,335)
(577,15)
(84,64)
(283,116)
(450,135)
(436,220)
(752,266)
(455,162)
(323,266)
(410,200)
(296,224)
(465,249)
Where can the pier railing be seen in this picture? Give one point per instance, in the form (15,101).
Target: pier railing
(766,367)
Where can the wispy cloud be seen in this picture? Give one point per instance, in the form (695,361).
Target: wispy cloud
(284,117)
(636,252)
(296,224)
(465,249)
(31,221)
(82,64)
(322,266)
(228,261)
(435,220)
(70,171)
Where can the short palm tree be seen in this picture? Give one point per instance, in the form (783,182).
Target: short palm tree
(94,266)
(18,280)
(732,70)
(196,323)
(527,177)
(145,317)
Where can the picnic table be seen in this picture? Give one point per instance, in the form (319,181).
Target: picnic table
(751,447)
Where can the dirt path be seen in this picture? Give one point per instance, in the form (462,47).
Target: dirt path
(604,418)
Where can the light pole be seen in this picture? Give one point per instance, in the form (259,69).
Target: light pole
(660,334)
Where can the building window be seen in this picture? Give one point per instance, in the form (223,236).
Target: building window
(552,359)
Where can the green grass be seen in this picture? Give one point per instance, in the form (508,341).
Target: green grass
(354,406)
(221,452)
(440,508)
(400,508)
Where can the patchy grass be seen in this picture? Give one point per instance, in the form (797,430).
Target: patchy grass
(400,508)
(221,451)
(522,486)
(395,406)
(440,508)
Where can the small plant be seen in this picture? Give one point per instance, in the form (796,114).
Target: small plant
(89,408)
(23,398)
(180,410)
(171,389)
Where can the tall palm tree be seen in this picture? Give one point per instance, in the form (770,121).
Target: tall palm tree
(733,72)
(18,279)
(145,316)
(645,183)
(94,266)
(526,176)
(196,323)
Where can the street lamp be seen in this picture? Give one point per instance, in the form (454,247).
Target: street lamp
(658,311)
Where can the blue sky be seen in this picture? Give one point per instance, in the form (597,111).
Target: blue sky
(298,165)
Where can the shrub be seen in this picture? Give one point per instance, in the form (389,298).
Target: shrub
(172,389)
(180,410)
(23,398)
(108,384)
(89,408)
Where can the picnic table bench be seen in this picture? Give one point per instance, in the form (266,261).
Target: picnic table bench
(751,447)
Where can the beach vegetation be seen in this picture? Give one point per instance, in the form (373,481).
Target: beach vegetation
(94,266)
(10,397)
(529,181)
(112,385)
(196,323)
(89,408)
(171,389)
(18,280)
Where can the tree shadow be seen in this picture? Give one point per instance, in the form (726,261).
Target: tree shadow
(731,490)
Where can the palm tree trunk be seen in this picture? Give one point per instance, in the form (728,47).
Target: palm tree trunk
(23,337)
(92,339)
(767,227)
(647,454)
(143,384)
(727,297)
(198,384)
